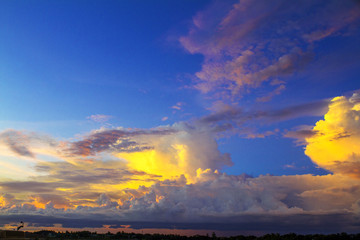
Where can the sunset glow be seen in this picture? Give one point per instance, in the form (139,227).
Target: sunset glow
(180,117)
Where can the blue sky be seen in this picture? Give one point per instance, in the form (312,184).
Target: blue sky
(180,92)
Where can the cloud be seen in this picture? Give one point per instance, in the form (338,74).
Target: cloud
(28,186)
(24,143)
(17,142)
(231,113)
(216,194)
(300,133)
(335,146)
(178,106)
(246,44)
(216,200)
(244,122)
(133,186)
(82,175)
(172,174)
(101,163)
(104,200)
(167,151)
(119,140)
(270,95)
(100,118)
(185,150)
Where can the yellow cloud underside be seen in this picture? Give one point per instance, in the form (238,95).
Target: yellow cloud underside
(337,137)
(331,144)
(168,165)
(2,202)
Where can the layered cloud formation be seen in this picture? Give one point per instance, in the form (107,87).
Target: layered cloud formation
(173,174)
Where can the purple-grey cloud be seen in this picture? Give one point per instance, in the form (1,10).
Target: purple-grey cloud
(240,120)
(228,201)
(249,43)
(21,142)
(300,133)
(113,140)
(94,172)
(17,142)
(29,186)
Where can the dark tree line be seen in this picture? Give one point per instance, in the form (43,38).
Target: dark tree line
(52,235)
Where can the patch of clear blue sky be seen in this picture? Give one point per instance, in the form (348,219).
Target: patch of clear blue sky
(65,60)
(61,61)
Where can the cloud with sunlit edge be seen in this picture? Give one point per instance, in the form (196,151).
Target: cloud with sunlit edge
(336,139)
(173,174)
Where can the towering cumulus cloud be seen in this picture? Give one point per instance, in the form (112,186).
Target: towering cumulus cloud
(169,151)
(181,153)
(238,56)
(335,144)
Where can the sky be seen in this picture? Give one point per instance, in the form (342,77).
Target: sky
(186,117)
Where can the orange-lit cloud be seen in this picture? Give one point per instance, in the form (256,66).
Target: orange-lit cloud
(335,144)
(180,153)
(174,172)
(212,196)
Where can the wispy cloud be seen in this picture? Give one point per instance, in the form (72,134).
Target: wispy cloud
(100,118)
(245,122)
(21,142)
(246,45)
(300,133)
(178,106)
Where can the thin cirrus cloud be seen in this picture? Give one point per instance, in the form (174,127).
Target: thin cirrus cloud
(20,143)
(100,118)
(229,113)
(237,56)
(244,122)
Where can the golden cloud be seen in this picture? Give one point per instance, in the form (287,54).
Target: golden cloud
(336,144)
